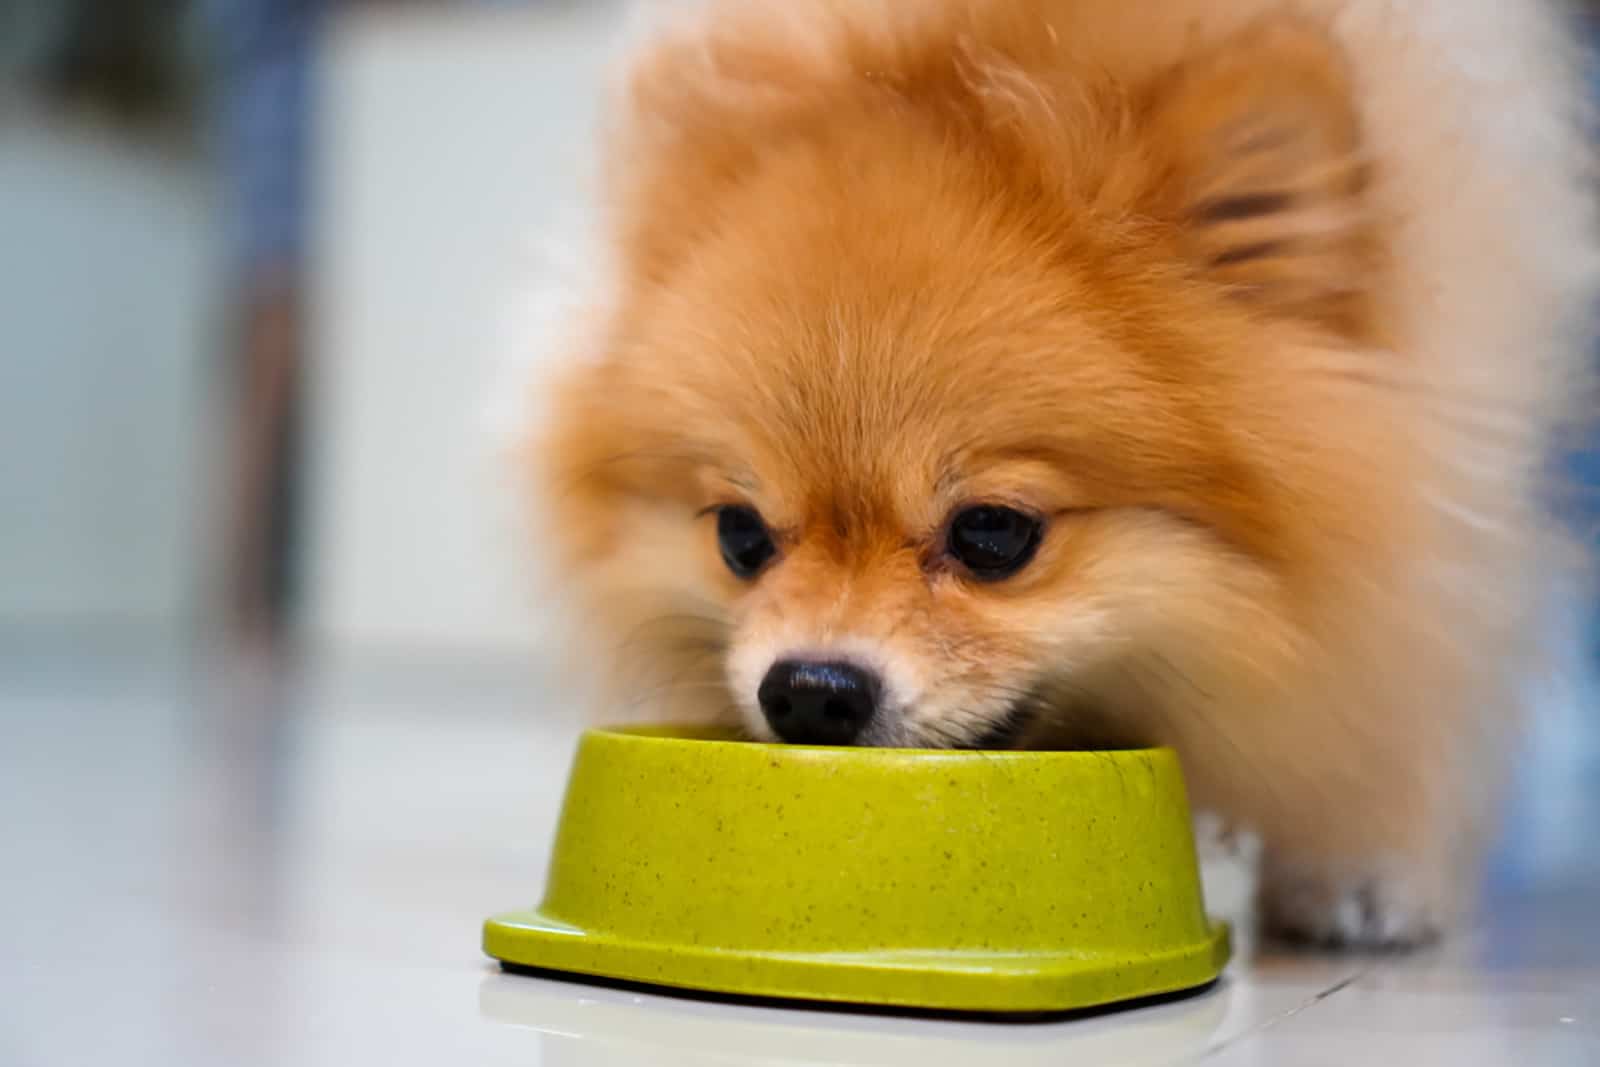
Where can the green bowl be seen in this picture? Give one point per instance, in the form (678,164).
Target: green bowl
(951,881)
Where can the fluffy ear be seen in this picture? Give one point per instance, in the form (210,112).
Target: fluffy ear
(1260,160)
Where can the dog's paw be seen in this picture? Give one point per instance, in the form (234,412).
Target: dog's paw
(1387,912)
(1230,868)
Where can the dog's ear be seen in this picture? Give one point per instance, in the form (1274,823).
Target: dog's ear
(1260,166)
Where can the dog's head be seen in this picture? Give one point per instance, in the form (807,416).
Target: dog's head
(958,390)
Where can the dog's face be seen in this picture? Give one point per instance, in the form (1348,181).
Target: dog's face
(915,426)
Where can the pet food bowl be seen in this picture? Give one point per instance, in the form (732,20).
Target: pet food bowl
(1015,882)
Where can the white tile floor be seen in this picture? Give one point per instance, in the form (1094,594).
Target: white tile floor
(190,880)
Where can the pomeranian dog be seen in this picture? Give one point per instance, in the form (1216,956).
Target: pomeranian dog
(1086,373)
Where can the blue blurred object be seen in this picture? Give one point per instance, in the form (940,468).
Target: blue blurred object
(1586,471)
(1586,464)
(267,57)
(1561,763)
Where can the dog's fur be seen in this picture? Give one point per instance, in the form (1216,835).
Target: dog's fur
(1272,308)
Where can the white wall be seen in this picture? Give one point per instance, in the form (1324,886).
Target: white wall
(452,143)
(109,255)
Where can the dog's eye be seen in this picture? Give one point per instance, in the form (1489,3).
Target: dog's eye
(746,545)
(994,542)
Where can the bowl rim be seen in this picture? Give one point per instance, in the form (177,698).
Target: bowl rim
(685,735)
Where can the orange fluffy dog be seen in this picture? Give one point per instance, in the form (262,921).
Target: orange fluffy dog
(1002,373)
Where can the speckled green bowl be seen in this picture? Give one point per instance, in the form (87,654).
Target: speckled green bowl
(957,881)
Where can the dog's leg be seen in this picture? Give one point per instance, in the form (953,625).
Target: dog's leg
(1230,870)
(1389,903)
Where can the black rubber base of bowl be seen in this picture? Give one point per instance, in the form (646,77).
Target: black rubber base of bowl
(835,1008)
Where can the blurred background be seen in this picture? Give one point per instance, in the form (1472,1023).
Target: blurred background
(266,273)
(260,265)
(272,668)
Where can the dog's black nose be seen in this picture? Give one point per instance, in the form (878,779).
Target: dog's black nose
(818,703)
